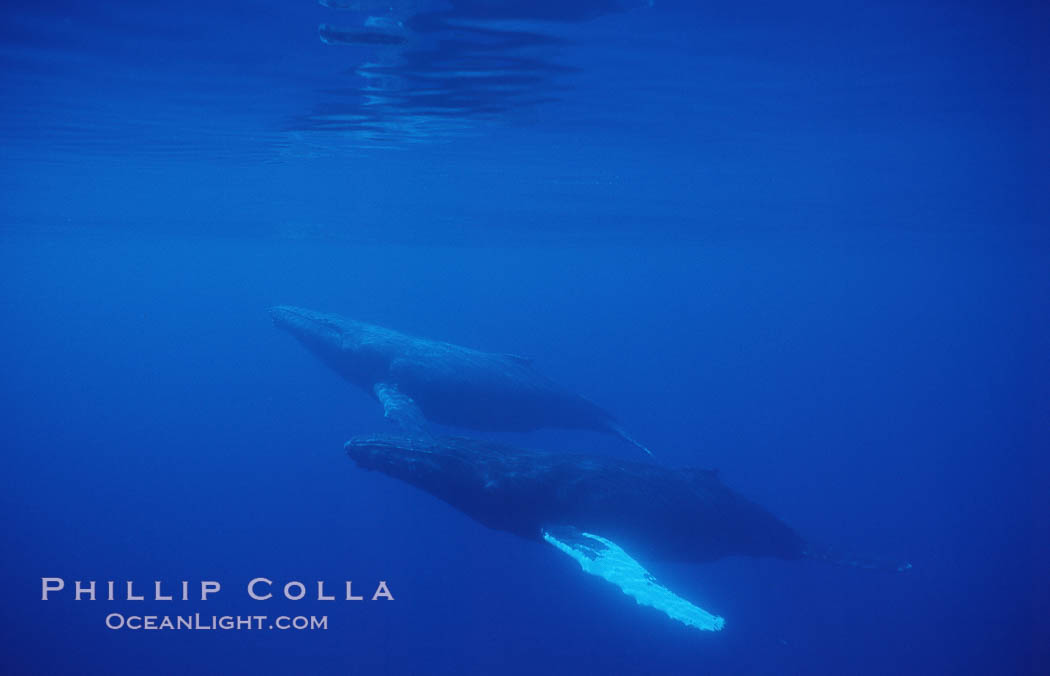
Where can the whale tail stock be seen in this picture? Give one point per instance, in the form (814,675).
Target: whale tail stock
(839,558)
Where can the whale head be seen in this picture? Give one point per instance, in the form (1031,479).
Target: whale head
(323,331)
(353,349)
(481,479)
(419,461)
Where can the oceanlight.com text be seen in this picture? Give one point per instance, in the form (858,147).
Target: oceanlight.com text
(198,622)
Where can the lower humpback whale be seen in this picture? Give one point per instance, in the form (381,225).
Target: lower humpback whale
(417,379)
(596,509)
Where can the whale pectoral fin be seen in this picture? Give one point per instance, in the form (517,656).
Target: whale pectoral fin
(607,560)
(400,408)
(620,432)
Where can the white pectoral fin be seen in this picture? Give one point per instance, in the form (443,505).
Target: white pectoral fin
(400,408)
(609,561)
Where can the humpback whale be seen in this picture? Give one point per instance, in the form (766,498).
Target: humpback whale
(416,379)
(596,509)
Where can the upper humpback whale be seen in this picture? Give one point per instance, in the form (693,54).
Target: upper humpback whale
(596,509)
(416,378)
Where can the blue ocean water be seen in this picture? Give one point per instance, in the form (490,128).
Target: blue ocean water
(805,244)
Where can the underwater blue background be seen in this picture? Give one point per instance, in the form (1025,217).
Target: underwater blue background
(803,243)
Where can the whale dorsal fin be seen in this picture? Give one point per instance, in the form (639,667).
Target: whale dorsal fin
(401,409)
(518,359)
(609,561)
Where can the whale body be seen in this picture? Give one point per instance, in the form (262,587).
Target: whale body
(417,379)
(596,510)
